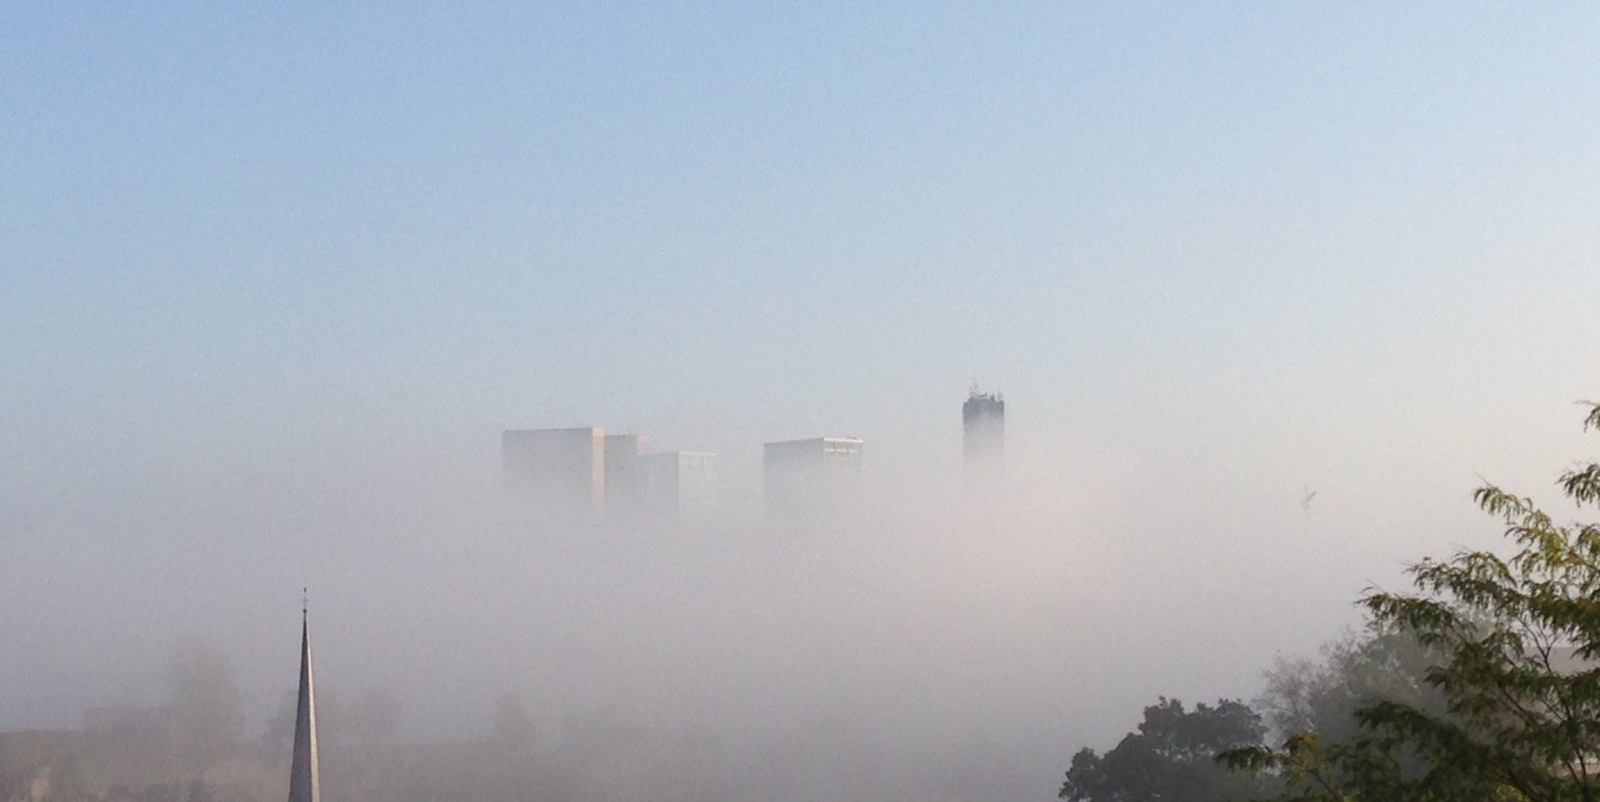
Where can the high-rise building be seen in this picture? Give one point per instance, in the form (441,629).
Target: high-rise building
(627,480)
(983,430)
(814,478)
(681,482)
(557,470)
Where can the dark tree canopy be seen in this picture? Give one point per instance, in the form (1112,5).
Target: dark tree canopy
(1171,757)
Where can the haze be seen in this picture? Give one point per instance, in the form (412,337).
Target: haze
(274,279)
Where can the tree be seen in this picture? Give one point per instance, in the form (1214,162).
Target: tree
(1516,643)
(1322,697)
(1171,757)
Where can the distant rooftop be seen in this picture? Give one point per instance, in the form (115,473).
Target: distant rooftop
(841,440)
(976,394)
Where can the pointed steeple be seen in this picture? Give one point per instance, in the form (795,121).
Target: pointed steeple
(303,783)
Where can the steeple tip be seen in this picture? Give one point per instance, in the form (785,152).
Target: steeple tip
(304,785)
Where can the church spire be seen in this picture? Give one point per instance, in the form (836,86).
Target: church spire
(303,784)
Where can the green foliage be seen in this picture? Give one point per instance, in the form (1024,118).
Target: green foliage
(1515,644)
(1322,697)
(1171,757)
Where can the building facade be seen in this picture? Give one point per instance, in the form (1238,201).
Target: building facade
(983,431)
(558,470)
(681,483)
(812,479)
(627,479)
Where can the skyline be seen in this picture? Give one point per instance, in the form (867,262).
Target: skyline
(273,280)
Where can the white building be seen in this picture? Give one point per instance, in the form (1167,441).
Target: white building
(681,482)
(812,479)
(557,470)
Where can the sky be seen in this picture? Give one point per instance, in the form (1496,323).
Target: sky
(274,276)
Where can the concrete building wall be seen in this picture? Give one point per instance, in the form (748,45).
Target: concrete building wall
(556,469)
(627,481)
(812,478)
(682,482)
(983,431)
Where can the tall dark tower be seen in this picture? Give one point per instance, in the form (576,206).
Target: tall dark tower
(983,427)
(303,783)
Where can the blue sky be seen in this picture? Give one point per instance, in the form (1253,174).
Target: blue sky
(1238,250)
(597,213)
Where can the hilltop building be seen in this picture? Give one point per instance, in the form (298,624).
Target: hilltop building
(557,470)
(812,479)
(983,431)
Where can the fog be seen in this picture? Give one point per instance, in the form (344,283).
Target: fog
(950,636)
(1269,291)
